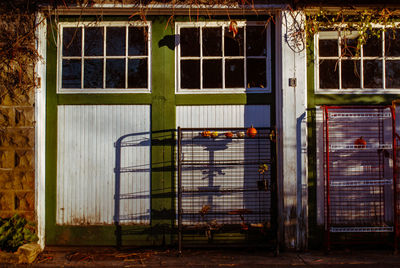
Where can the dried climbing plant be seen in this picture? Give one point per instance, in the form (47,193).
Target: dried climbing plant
(367,23)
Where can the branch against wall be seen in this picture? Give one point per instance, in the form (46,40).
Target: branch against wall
(364,22)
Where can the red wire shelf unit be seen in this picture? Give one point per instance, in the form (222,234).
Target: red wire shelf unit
(359,171)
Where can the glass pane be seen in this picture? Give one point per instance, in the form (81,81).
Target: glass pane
(234,73)
(190,42)
(212,74)
(93,73)
(190,74)
(115,73)
(72,41)
(373,47)
(212,39)
(71,73)
(115,44)
(328,74)
(351,74)
(94,37)
(137,41)
(373,74)
(137,73)
(328,48)
(392,43)
(349,46)
(256,73)
(256,41)
(234,45)
(392,74)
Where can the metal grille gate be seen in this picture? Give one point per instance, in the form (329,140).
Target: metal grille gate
(359,152)
(226,186)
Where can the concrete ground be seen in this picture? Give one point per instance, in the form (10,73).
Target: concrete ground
(110,257)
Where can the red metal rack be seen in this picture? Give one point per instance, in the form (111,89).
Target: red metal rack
(359,170)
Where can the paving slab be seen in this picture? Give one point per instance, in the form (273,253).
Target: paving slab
(156,257)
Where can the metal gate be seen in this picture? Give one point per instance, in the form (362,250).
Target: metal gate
(359,170)
(226,186)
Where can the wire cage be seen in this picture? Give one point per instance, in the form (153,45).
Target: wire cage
(226,182)
(359,171)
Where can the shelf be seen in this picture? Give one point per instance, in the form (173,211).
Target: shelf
(361,229)
(361,183)
(217,189)
(360,147)
(358,115)
(222,162)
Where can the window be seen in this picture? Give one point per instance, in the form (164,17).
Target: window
(104,57)
(375,68)
(211,59)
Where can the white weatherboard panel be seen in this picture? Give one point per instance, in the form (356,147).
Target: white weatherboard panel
(222,116)
(86,160)
(214,116)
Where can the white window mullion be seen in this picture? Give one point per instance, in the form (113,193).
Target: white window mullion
(383,61)
(362,67)
(104,56)
(340,62)
(245,57)
(268,55)
(149,49)
(201,57)
(82,56)
(223,56)
(126,55)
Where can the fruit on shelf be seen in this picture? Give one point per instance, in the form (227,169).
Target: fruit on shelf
(262,168)
(240,134)
(229,135)
(251,132)
(272,136)
(206,133)
(214,134)
(360,142)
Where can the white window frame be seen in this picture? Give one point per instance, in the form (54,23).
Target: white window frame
(127,24)
(223,24)
(361,90)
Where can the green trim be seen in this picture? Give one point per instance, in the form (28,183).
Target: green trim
(51,139)
(219,99)
(354,99)
(81,99)
(103,235)
(163,132)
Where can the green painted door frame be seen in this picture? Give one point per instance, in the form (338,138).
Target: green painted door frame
(163,101)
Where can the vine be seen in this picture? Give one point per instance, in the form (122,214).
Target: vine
(368,23)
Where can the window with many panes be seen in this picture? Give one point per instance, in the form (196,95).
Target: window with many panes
(340,67)
(104,57)
(211,58)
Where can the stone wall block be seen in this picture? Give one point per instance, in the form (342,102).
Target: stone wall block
(7,117)
(28,215)
(22,138)
(24,159)
(25,201)
(6,99)
(7,158)
(6,201)
(6,180)
(24,180)
(25,117)
(5,137)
